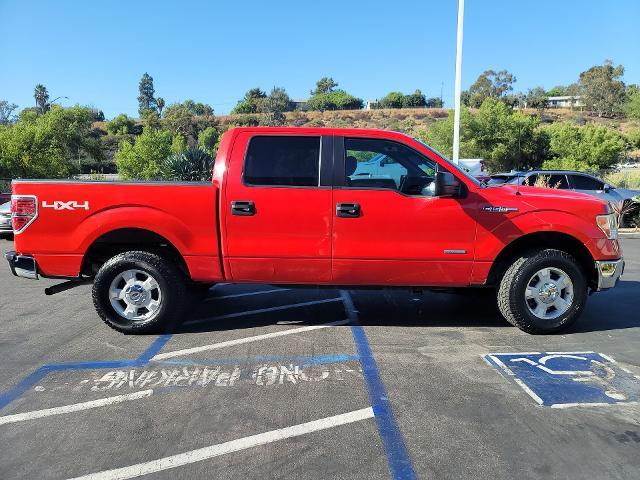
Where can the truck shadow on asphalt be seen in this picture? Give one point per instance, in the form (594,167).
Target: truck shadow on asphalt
(612,310)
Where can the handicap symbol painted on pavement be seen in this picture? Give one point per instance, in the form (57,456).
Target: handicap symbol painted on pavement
(567,379)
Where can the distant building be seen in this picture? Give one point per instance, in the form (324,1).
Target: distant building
(300,105)
(565,101)
(371,104)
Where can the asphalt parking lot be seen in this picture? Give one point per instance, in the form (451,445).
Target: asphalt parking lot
(265,382)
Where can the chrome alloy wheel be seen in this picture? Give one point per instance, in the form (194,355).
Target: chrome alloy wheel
(549,293)
(135,295)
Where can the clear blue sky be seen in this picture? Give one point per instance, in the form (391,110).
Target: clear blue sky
(95,52)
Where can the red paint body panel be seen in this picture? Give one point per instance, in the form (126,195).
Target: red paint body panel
(295,236)
(183,214)
(398,236)
(287,240)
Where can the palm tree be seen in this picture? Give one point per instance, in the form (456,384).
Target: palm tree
(160,105)
(42,97)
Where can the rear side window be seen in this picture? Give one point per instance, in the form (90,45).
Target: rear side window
(284,161)
(581,182)
(547,181)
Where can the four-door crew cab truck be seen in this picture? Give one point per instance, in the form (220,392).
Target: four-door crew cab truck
(312,206)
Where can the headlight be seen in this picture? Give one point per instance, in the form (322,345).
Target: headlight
(608,224)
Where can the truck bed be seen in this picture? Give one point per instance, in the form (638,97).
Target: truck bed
(73,215)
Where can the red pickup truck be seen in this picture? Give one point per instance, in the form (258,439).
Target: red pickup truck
(312,206)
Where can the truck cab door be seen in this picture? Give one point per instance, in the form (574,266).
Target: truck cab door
(278,209)
(389,229)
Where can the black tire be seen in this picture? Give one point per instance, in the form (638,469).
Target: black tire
(512,301)
(171,285)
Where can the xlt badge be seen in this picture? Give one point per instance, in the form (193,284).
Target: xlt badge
(494,209)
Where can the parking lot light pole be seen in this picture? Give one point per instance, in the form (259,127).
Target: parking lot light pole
(458,85)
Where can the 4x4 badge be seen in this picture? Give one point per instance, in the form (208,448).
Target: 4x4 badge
(71,205)
(493,209)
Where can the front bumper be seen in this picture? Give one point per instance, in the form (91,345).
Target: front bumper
(609,271)
(22,265)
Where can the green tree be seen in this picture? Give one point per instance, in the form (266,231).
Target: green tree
(588,148)
(6,112)
(336,100)
(503,138)
(251,101)
(197,108)
(490,84)
(632,105)
(537,98)
(392,100)
(50,145)
(178,144)
(324,85)
(434,102)
(414,100)
(507,140)
(143,159)
(208,140)
(151,120)
(146,100)
(178,119)
(634,137)
(603,91)
(439,135)
(41,96)
(557,91)
(120,125)
(274,106)
(160,105)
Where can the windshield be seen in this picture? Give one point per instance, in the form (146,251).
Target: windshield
(451,164)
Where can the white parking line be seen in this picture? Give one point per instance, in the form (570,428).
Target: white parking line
(47,412)
(239,341)
(247,294)
(263,310)
(229,447)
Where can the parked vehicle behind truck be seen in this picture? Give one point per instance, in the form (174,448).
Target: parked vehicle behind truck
(289,206)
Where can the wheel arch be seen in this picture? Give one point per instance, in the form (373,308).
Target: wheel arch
(542,240)
(121,240)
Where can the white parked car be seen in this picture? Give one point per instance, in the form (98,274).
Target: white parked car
(5,218)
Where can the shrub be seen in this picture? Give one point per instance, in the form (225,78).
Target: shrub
(120,125)
(142,159)
(335,100)
(392,100)
(624,179)
(194,164)
(208,140)
(587,148)
(48,145)
(544,181)
(634,138)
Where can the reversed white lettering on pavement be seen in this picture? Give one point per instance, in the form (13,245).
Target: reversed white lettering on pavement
(218,376)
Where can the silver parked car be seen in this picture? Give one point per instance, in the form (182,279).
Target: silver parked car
(568,180)
(5,218)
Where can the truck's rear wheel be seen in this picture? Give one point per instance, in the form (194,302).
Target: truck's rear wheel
(138,292)
(543,291)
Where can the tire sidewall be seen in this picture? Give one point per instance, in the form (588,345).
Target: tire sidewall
(530,267)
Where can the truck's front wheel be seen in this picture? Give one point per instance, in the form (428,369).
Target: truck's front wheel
(543,291)
(138,292)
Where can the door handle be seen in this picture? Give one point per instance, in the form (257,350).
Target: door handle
(348,210)
(243,208)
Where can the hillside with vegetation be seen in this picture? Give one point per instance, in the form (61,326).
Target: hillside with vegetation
(600,131)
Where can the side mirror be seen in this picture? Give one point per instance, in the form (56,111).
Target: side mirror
(446,185)
(607,188)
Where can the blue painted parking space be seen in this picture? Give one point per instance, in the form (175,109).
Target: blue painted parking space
(567,379)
